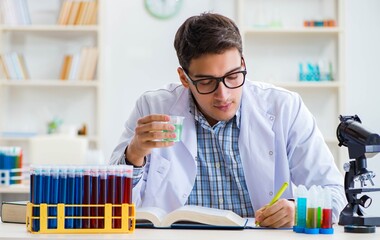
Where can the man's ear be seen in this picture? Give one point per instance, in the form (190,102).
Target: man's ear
(243,62)
(182,77)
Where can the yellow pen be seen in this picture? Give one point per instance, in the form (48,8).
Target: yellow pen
(279,193)
(277,196)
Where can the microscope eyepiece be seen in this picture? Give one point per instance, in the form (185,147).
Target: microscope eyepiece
(350,131)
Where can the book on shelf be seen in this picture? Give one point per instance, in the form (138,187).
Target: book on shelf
(73,13)
(3,68)
(9,65)
(16,65)
(23,67)
(64,12)
(89,69)
(191,216)
(78,12)
(13,66)
(83,61)
(13,212)
(73,73)
(80,66)
(65,70)
(93,14)
(14,12)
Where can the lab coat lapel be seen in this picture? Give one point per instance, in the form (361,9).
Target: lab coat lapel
(189,137)
(256,145)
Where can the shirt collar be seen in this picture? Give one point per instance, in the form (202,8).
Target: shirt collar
(199,117)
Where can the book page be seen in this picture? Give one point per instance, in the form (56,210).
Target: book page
(204,215)
(153,214)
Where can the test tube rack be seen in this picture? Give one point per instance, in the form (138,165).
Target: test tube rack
(127,218)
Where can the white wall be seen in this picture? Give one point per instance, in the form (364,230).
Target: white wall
(362,72)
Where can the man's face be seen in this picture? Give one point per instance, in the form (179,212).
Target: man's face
(222,104)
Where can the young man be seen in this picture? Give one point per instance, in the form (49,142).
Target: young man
(241,140)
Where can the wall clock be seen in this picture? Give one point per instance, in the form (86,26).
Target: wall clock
(163,9)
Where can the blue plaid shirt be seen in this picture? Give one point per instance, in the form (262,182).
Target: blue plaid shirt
(220,181)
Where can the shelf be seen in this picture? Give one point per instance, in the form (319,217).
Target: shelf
(311,85)
(26,138)
(49,83)
(21,188)
(308,30)
(50,28)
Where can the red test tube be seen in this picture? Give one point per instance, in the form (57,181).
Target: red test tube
(127,172)
(326,226)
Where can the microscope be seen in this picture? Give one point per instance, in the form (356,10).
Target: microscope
(361,144)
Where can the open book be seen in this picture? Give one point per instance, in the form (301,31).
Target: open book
(189,216)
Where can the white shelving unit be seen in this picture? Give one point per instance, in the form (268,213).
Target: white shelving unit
(275,42)
(26,106)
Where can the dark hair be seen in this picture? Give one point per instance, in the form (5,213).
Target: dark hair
(204,34)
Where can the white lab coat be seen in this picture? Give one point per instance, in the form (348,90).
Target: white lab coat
(279,142)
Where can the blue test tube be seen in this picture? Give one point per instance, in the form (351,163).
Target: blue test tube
(45,171)
(62,185)
(36,195)
(54,190)
(79,181)
(62,182)
(301,206)
(70,197)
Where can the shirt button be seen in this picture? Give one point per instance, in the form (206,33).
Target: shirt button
(217,165)
(271,153)
(270,193)
(221,200)
(184,195)
(271,118)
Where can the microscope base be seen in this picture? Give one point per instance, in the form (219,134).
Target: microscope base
(359,220)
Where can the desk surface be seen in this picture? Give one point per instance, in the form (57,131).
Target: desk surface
(18,231)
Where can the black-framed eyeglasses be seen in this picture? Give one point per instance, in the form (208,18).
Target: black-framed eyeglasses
(210,84)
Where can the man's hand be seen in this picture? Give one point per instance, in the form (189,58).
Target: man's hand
(148,135)
(280,214)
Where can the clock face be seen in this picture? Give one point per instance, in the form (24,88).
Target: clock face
(163,9)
